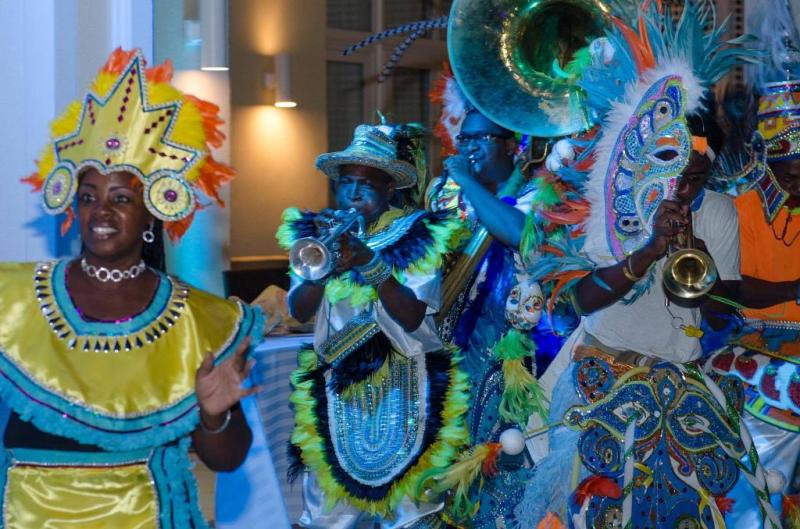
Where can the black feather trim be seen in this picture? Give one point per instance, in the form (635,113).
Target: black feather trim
(296,466)
(361,363)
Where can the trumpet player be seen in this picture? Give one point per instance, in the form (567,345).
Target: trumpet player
(377,400)
(639,435)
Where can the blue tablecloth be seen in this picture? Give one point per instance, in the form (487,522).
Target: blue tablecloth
(257,494)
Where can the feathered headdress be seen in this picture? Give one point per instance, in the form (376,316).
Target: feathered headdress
(642,84)
(775,79)
(455,106)
(132,119)
(645,78)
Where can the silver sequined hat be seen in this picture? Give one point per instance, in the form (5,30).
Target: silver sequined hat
(372,146)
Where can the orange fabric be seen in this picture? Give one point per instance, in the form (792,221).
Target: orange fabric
(551,521)
(700,144)
(764,256)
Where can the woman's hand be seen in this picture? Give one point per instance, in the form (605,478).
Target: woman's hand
(219,387)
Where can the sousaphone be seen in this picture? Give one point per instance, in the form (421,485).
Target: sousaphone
(515,60)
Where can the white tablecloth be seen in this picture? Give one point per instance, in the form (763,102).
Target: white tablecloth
(257,494)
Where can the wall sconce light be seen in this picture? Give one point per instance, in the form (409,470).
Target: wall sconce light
(280,80)
(214,31)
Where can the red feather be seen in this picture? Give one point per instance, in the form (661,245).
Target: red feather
(597,486)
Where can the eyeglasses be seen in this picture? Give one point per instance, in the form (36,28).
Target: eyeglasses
(462,140)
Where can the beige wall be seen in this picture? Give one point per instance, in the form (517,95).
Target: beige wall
(274,149)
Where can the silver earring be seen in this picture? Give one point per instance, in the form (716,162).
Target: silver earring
(148,236)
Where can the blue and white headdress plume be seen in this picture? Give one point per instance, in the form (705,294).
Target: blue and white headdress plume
(644,79)
(642,84)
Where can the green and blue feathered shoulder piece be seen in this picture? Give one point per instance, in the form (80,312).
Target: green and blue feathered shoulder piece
(409,241)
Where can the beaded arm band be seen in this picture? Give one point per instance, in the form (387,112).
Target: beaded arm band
(375,271)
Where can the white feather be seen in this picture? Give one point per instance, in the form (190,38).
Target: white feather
(454,109)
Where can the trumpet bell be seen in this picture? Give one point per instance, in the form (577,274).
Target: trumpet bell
(689,274)
(310,259)
(515,60)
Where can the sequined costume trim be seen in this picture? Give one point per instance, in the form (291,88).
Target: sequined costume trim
(659,438)
(369,446)
(772,385)
(123,400)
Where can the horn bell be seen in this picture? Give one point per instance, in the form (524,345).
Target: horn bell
(689,274)
(516,60)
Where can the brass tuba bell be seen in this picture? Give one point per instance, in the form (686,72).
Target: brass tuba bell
(512,59)
(312,259)
(689,273)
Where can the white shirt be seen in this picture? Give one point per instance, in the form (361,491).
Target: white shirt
(646,326)
(426,287)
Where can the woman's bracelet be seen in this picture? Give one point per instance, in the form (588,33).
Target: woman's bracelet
(221,429)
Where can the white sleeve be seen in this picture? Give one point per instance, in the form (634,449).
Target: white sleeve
(427,288)
(717,223)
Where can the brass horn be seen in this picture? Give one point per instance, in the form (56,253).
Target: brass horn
(689,273)
(312,258)
(514,60)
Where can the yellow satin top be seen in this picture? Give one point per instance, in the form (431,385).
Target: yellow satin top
(96,381)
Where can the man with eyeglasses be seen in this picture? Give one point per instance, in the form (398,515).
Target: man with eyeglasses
(494,314)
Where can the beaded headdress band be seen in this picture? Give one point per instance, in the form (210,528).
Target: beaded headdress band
(132,119)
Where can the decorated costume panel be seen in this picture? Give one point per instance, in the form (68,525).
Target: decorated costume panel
(375,406)
(142,489)
(118,385)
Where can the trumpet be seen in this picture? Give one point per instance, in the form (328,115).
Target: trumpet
(314,258)
(689,273)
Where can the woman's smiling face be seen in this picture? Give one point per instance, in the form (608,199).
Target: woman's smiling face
(112,215)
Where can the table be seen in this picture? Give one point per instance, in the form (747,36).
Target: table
(257,494)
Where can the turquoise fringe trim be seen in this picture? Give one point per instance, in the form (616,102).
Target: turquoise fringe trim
(54,414)
(177,488)
(136,324)
(3,481)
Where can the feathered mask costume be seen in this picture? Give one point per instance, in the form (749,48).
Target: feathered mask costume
(642,84)
(132,119)
(644,80)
